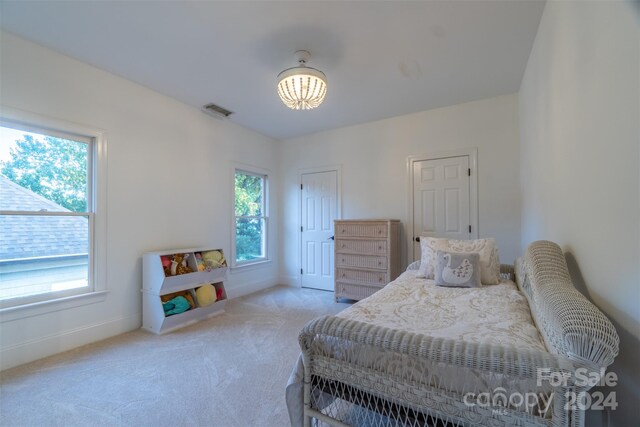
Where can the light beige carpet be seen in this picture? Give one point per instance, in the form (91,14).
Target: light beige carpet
(227,371)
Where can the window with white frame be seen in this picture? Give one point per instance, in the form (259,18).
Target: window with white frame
(47,214)
(250,225)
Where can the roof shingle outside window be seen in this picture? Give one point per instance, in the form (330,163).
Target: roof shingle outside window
(24,236)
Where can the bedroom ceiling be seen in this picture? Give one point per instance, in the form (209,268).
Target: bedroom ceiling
(382,59)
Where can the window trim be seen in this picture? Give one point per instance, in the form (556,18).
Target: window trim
(96,213)
(251,170)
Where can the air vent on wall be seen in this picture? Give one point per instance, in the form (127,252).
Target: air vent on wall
(216,111)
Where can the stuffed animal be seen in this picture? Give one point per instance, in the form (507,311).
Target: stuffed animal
(185,294)
(175,306)
(213,259)
(200,262)
(179,264)
(166,265)
(206,295)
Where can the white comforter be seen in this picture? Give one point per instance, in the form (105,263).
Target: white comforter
(493,314)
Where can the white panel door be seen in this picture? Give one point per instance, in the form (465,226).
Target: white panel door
(319,209)
(441,205)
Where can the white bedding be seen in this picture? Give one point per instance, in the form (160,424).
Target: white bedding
(492,314)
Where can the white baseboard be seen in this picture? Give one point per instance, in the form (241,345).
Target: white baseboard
(38,348)
(238,290)
(293,281)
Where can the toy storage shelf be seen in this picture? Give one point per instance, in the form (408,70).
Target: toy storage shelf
(155,284)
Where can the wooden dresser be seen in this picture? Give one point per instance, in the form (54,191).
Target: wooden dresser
(366,256)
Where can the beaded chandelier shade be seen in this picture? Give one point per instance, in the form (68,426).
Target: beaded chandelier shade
(302,87)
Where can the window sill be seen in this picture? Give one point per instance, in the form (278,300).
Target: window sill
(249,266)
(44,307)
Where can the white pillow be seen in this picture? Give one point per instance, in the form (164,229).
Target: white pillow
(422,267)
(489,259)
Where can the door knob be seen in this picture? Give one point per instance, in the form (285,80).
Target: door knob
(417,238)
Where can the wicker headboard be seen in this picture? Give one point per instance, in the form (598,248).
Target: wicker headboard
(568,322)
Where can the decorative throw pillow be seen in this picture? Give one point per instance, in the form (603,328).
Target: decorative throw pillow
(486,248)
(427,256)
(458,269)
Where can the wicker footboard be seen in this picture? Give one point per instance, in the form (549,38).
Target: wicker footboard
(446,385)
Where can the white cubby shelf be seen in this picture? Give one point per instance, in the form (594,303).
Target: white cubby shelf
(156,284)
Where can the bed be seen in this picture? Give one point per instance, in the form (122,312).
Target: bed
(414,354)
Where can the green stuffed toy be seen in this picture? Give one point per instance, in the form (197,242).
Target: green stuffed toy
(176,305)
(213,259)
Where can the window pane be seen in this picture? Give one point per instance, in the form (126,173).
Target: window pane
(40,254)
(249,194)
(249,239)
(45,173)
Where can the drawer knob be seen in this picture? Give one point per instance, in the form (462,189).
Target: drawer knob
(379,262)
(380,248)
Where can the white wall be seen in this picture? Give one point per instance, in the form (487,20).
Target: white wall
(373,157)
(580,138)
(169,186)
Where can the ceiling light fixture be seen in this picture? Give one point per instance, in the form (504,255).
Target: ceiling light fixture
(302,87)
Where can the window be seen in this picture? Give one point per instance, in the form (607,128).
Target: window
(47,214)
(250,235)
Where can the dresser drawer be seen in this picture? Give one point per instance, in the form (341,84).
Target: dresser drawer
(356,292)
(376,229)
(364,277)
(363,261)
(374,247)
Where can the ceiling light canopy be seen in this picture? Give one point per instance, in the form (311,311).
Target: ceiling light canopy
(302,87)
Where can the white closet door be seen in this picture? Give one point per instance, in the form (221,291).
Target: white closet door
(441,205)
(319,209)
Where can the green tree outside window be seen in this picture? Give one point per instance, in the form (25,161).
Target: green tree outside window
(54,168)
(250,216)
